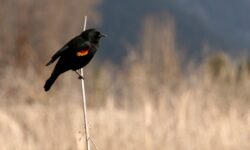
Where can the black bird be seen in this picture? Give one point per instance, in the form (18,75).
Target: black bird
(76,54)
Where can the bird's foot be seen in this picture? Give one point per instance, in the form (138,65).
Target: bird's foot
(81,77)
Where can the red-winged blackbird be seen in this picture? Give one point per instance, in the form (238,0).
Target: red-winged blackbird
(75,54)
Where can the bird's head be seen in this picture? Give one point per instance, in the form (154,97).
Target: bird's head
(92,35)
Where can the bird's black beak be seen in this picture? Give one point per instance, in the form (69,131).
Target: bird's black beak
(102,35)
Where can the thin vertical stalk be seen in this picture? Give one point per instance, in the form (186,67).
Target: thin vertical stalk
(84,101)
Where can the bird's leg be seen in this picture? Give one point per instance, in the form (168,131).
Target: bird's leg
(80,76)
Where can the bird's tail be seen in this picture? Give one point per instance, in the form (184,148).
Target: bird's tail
(50,81)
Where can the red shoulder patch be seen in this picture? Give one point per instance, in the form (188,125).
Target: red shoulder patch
(82,52)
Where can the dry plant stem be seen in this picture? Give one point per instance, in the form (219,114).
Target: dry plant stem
(94,144)
(84,101)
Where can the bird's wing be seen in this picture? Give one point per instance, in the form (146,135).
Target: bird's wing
(58,54)
(65,48)
(83,49)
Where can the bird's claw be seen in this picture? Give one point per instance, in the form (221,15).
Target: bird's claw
(81,77)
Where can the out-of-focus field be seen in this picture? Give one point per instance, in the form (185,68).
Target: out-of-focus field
(153,101)
(197,115)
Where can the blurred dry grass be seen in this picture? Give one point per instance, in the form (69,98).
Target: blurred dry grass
(148,103)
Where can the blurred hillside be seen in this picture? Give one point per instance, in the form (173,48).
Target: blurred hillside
(222,24)
(44,26)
